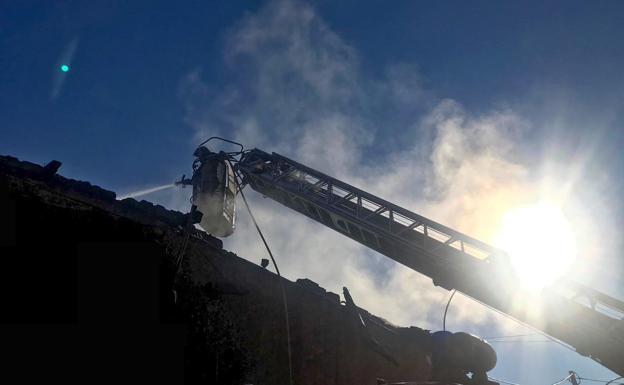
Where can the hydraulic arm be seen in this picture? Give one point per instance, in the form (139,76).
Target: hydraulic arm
(588,321)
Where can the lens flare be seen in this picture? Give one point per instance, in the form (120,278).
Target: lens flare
(540,243)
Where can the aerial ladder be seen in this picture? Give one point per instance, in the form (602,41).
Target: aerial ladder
(586,320)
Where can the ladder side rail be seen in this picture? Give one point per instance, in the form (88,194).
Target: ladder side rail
(448,262)
(462,239)
(375,224)
(403,211)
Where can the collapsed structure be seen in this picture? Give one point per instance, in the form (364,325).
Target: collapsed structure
(97,288)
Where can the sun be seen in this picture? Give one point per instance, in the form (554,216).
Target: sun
(540,243)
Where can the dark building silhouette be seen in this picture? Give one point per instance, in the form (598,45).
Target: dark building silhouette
(91,292)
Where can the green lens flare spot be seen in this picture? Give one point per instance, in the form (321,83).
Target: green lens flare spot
(64,68)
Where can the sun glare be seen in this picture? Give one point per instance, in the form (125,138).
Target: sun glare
(540,243)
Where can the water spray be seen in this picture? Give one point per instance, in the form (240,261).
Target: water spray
(147,191)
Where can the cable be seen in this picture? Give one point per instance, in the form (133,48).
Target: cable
(446,309)
(503,381)
(603,381)
(187,236)
(521,323)
(280,281)
(565,379)
(511,336)
(181,252)
(225,140)
(518,341)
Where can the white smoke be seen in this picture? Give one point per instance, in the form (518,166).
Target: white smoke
(297,89)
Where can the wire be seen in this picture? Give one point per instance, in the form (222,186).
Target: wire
(517,341)
(503,381)
(181,254)
(280,281)
(521,323)
(603,381)
(565,379)
(225,140)
(511,336)
(185,241)
(545,335)
(508,339)
(446,309)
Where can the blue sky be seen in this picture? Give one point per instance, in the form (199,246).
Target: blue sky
(447,108)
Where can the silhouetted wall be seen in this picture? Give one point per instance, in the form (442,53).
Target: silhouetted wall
(89,294)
